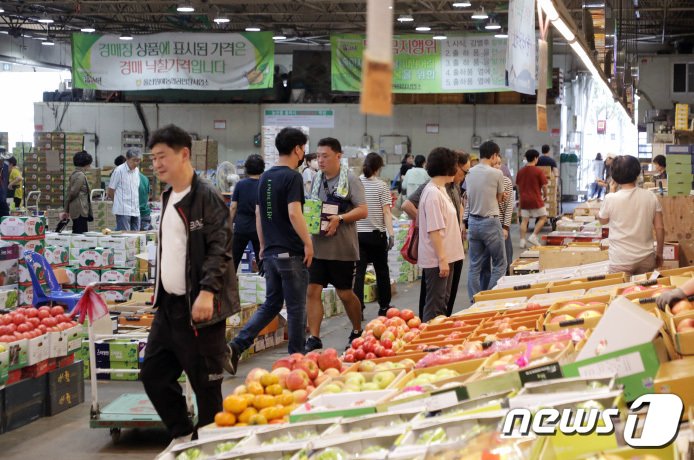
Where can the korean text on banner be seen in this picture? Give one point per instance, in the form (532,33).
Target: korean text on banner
(521,48)
(235,61)
(465,63)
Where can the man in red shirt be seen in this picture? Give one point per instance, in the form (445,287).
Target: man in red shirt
(532,185)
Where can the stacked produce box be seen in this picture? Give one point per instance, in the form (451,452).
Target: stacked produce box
(680,169)
(27,233)
(401,270)
(48,168)
(205,154)
(552,202)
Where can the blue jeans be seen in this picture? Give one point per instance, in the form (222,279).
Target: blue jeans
(145,223)
(486,240)
(127,223)
(286,282)
(486,272)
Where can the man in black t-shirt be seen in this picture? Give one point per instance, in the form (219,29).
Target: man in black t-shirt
(547,160)
(286,248)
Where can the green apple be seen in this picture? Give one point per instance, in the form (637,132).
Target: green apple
(370,386)
(332,388)
(383,379)
(351,387)
(367,366)
(355,378)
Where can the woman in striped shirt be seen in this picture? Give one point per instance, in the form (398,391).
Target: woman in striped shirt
(376,236)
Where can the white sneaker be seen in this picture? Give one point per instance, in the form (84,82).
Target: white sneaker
(181,440)
(532,239)
(522,244)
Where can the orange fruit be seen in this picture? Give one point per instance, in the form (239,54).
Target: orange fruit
(274,389)
(248,398)
(263,401)
(269,379)
(241,424)
(245,416)
(255,388)
(235,404)
(257,420)
(285,399)
(224,419)
(241,389)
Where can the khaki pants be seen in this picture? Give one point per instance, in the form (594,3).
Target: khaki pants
(637,268)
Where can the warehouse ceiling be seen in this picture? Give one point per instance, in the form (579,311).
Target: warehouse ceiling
(311,21)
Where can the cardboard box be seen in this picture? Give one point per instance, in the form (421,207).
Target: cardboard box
(117,275)
(9,298)
(36,245)
(636,367)
(57,255)
(17,354)
(9,255)
(38,349)
(95,258)
(341,405)
(22,227)
(677,377)
(65,388)
(568,258)
(683,341)
(86,276)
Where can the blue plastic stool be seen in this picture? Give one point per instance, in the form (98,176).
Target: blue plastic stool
(52,293)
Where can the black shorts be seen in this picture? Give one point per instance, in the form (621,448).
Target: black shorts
(336,272)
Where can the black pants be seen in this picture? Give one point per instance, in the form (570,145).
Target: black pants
(80,225)
(239,242)
(17,202)
(173,347)
(373,248)
(457,272)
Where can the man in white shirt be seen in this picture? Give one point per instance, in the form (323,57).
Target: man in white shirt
(196,290)
(633,213)
(124,190)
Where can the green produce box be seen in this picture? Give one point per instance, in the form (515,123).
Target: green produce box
(117,275)
(86,276)
(4,363)
(124,365)
(95,258)
(636,367)
(8,298)
(340,405)
(57,255)
(124,350)
(312,212)
(23,226)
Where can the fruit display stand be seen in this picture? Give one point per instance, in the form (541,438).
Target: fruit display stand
(437,395)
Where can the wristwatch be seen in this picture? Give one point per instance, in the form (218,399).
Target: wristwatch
(342,219)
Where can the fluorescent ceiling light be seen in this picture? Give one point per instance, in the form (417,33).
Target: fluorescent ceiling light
(126,37)
(564,30)
(253,29)
(423,29)
(221,20)
(501,34)
(48,42)
(26,35)
(492,25)
(405,18)
(45,19)
(480,14)
(40,38)
(185,8)
(279,37)
(439,37)
(593,4)
(88,30)
(2,10)
(461,4)
(549,9)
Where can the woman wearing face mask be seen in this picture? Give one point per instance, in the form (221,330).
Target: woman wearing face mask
(310,170)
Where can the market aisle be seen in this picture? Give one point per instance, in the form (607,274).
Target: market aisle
(68,435)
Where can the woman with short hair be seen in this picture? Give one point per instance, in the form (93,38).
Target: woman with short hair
(78,205)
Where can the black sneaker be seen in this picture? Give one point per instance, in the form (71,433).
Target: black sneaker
(353,335)
(382,311)
(231,358)
(312,343)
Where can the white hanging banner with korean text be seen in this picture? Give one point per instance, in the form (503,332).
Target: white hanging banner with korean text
(184,61)
(521,47)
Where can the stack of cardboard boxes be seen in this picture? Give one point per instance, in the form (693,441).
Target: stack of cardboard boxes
(552,202)
(205,154)
(680,169)
(27,233)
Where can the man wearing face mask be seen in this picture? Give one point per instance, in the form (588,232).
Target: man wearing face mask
(286,248)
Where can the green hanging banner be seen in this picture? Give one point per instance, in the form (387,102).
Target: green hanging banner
(183,61)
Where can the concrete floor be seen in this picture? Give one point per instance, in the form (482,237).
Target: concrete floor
(68,436)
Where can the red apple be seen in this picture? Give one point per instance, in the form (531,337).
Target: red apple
(406,314)
(387,343)
(313,356)
(378,330)
(309,366)
(682,305)
(283,362)
(297,380)
(370,356)
(392,312)
(328,361)
(359,354)
(357,343)
(414,322)
(686,325)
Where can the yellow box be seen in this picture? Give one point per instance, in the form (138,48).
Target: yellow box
(677,377)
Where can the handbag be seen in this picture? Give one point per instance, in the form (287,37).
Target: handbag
(410,249)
